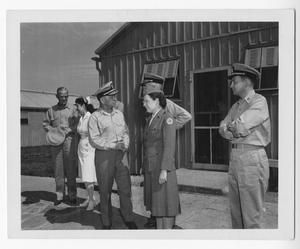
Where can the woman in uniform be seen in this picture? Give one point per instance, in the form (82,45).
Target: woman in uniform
(160,188)
(86,153)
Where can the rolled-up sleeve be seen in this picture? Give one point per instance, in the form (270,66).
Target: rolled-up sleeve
(169,143)
(95,138)
(254,116)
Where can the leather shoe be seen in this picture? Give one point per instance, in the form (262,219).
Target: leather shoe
(151,223)
(131,225)
(57,202)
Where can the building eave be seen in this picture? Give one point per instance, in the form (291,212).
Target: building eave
(111,38)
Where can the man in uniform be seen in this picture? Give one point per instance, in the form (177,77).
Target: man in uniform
(63,116)
(179,114)
(247,127)
(108,133)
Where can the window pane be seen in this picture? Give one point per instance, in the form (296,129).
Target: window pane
(220,153)
(208,119)
(171,88)
(202,146)
(210,97)
(168,70)
(24,121)
(168,86)
(269,77)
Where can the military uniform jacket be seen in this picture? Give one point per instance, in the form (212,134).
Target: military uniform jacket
(159,143)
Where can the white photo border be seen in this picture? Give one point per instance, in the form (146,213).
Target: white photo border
(286,185)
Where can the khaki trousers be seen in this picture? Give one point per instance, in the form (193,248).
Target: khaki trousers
(64,158)
(248,182)
(109,166)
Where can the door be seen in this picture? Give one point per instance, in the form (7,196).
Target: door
(211,102)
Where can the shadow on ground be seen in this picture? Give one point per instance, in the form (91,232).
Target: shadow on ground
(65,215)
(36,196)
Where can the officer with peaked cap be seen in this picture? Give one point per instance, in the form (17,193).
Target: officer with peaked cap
(108,134)
(118,105)
(247,127)
(154,83)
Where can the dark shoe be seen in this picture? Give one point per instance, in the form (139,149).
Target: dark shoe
(131,225)
(104,227)
(176,227)
(151,223)
(57,202)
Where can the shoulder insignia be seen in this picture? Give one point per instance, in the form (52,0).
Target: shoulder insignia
(169,121)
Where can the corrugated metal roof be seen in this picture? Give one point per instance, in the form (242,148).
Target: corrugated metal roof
(41,100)
(109,40)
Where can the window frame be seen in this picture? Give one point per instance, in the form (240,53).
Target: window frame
(176,78)
(259,66)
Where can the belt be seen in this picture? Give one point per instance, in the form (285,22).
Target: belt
(246,146)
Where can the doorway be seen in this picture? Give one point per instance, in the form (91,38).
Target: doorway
(211,102)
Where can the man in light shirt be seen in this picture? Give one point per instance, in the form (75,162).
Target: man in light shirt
(108,133)
(247,127)
(63,115)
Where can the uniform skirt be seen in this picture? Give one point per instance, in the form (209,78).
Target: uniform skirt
(161,199)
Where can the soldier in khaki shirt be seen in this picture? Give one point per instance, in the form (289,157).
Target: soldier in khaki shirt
(247,127)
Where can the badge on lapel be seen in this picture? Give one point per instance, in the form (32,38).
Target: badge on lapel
(169,121)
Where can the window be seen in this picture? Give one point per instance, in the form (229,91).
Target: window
(265,60)
(168,70)
(269,78)
(24,118)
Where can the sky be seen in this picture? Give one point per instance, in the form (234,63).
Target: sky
(59,54)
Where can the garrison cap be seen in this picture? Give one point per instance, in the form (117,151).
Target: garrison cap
(152,87)
(239,69)
(151,77)
(152,83)
(106,90)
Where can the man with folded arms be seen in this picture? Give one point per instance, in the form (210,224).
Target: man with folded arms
(247,127)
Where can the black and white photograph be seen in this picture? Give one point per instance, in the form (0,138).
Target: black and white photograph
(153,124)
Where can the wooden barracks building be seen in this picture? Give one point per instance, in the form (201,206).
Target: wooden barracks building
(195,59)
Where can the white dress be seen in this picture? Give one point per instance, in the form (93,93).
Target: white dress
(86,153)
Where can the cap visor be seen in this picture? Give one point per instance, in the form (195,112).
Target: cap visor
(235,74)
(114,92)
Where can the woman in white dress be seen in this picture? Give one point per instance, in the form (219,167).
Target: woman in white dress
(86,153)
